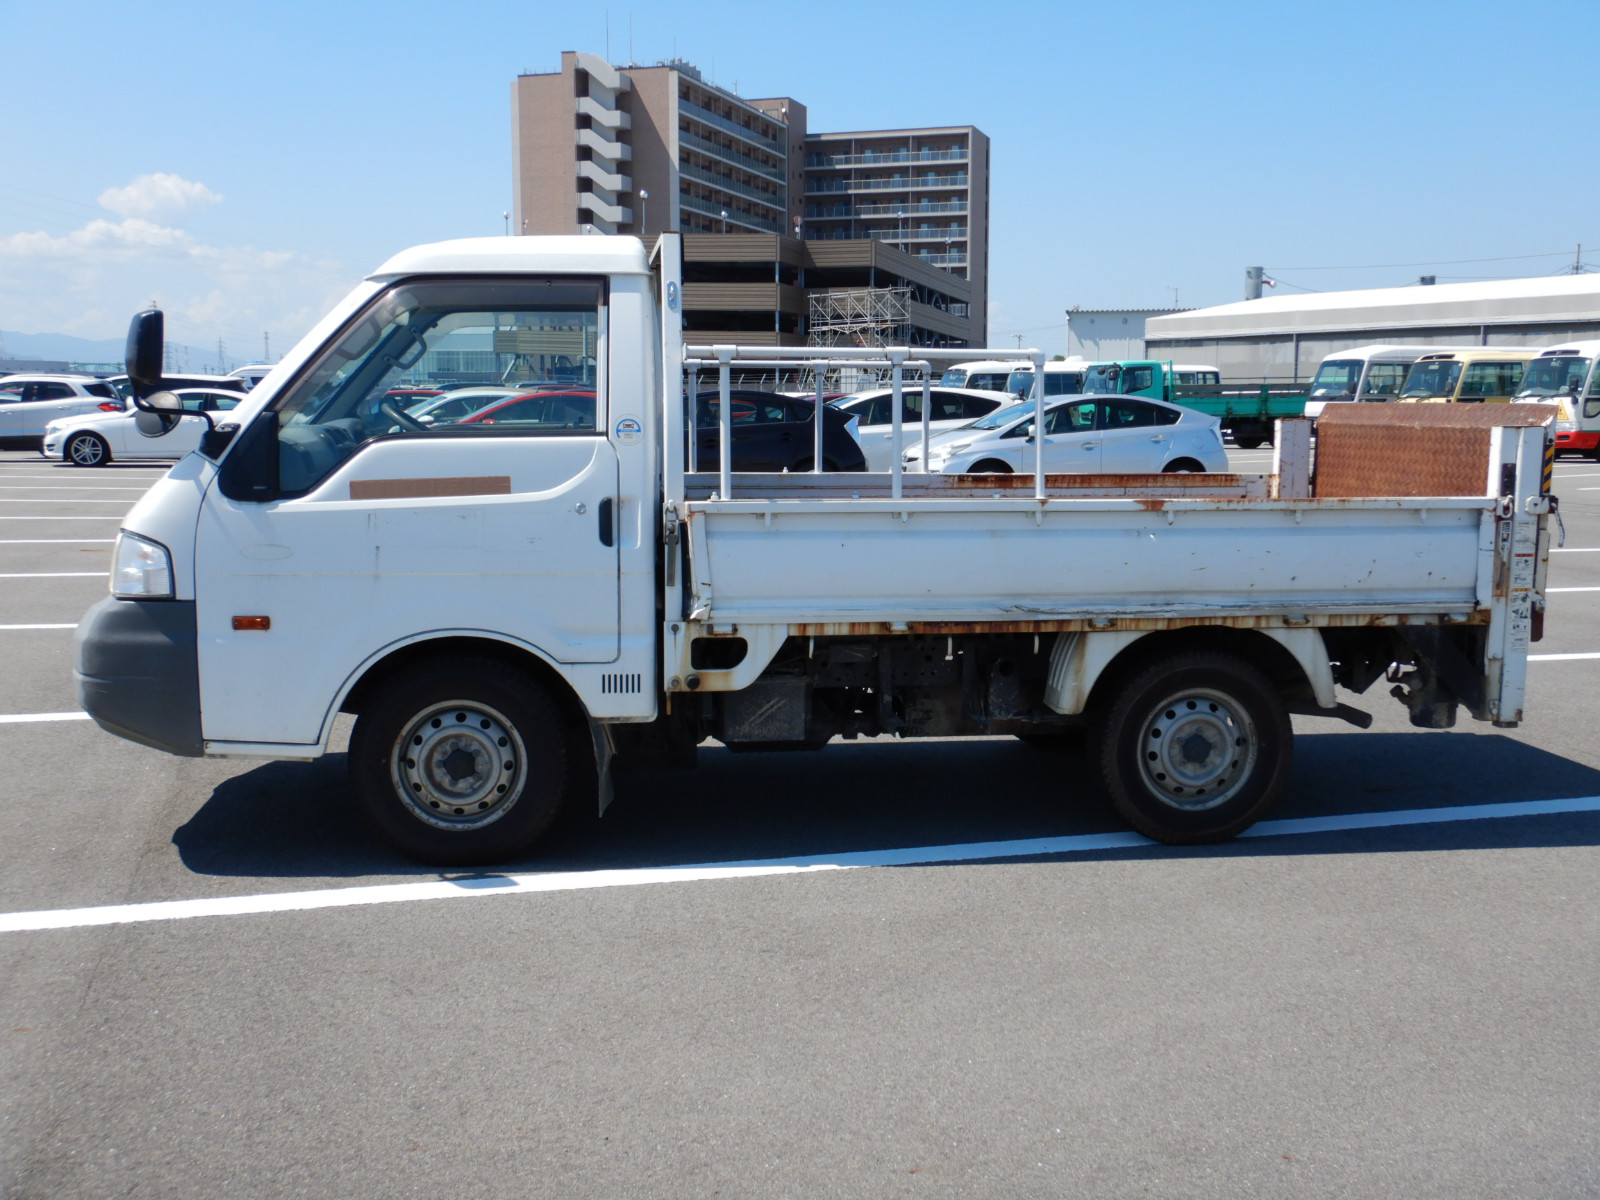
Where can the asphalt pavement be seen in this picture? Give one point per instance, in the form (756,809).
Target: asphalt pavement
(920,969)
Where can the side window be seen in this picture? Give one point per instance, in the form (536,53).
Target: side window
(1478,381)
(973,407)
(1128,414)
(10,395)
(104,390)
(55,391)
(537,331)
(1136,379)
(1070,418)
(1383,379)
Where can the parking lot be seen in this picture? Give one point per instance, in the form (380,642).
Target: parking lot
(932,969)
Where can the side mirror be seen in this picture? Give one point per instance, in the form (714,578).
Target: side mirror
(146,335)
(159,411)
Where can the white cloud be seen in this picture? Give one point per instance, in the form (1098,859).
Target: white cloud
(158,195)
(89,280)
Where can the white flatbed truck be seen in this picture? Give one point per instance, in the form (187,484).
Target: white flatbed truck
(508,607)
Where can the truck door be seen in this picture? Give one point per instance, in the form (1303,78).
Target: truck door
(348,528)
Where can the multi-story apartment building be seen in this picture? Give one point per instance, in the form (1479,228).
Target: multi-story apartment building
(643,150)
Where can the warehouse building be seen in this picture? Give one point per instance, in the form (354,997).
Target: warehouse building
(1283,338)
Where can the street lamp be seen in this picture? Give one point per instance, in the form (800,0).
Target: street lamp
(644,212)
(506,217)
(724,220)
(902,216)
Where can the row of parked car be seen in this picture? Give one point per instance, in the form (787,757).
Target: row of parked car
(969,429)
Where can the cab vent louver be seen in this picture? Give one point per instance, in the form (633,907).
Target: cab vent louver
(621,685)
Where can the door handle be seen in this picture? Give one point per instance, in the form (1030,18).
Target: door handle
(607,533)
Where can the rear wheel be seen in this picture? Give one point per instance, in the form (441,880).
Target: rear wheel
(86,450)
(1182,466)
(1248,443)
(1195,748)
(461,762)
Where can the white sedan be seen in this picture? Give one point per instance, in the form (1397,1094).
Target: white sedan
(951,408)
(1121,435)
(93,441)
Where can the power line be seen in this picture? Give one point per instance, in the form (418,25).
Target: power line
(1441,262)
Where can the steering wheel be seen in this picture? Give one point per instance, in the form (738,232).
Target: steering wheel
(401,418)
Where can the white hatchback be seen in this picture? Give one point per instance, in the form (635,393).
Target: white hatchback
(1122,435)
(30,402)
(95,440)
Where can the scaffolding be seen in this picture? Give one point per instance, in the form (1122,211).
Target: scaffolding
(860,318)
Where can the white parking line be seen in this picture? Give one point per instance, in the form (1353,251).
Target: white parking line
(69,487)
(56,541)
(1559,657)
(35,718)
(58,575)
(69,500)
(3,627)
(105,517)
(1577,589)
(1575,549)
(568,881)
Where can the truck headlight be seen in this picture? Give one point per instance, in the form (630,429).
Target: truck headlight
(140,569)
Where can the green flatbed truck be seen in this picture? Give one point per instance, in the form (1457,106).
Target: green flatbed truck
(1247,410)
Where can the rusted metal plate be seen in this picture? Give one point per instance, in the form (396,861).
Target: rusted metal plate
(1407,449)
(1147,624)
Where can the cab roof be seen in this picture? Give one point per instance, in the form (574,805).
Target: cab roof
(556,255)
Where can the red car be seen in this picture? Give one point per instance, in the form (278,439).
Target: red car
(568,412)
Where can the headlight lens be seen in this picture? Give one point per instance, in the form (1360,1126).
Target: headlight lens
(140,569)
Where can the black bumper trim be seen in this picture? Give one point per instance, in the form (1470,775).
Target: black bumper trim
(138,672)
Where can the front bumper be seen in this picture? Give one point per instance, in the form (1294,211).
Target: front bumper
(138,672)
(1582,439)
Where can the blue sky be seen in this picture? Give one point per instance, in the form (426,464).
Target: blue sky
(244,164)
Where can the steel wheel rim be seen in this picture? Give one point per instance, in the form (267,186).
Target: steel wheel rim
(459,765)
(1197,749)
(85,451)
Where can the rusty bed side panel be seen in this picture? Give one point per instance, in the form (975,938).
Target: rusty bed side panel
(1150,624)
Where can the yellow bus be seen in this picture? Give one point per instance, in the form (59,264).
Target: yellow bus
(1476,374)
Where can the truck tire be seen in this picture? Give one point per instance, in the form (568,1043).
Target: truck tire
(1193,749)
(1247,442)
(460,762)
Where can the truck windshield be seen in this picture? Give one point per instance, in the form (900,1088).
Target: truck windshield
(954,377)
(1426,380)
(1547,377)
(543,335)
(1020,383)
(1337,378)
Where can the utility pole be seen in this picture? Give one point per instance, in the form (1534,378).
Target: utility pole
(1252,282)
(222,365)
(266,346)
(1577,261)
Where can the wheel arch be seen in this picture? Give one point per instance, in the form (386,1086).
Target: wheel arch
(1084,668)
(386,663)
(588,742)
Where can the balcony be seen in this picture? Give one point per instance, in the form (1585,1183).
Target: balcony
(737,222)
(723,183)
(735,158)
(705,116)
(873,158)
(900,183)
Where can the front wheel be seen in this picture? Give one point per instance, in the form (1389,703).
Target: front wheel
(461,762)
(1194,749)
(86,450)
(1248,443)
(990,466)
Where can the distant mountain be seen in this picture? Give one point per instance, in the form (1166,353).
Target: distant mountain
(63,347)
